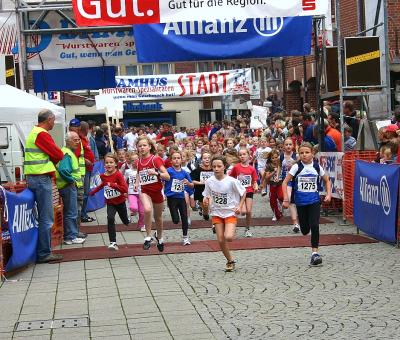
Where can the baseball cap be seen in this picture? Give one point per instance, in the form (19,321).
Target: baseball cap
(75,122)
(392,128)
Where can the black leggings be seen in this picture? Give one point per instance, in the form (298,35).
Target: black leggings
(177,206)
(123,215)
(309,220)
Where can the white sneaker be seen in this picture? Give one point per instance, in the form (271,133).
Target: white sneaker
(76,240)
(296,228)
(274,219)
(248,233)
(143,228)
(186,241)
(113,246)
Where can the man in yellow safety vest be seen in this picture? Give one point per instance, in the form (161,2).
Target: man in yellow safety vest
(41,156)
(69,180)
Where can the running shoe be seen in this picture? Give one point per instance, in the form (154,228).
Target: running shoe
(248,233)
(296,228)
(143,228)
(160,243)
(274,219)
(206,217)
(316,259)
(200,211)
(185,241)
(76,240)
(147,243)
(213,229)
(230,266)
(113,246)
(87,219)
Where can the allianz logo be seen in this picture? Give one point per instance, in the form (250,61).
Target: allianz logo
(266,27)
(376,195)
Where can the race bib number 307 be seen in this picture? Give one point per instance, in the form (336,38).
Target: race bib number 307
(146,179)
(307,184)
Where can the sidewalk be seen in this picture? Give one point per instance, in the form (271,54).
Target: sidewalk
(272,295)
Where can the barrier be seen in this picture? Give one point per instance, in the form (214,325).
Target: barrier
(348,164)
(57,231)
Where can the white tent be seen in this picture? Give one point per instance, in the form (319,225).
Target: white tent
(21,108)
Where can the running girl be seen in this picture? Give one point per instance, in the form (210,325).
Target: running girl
(199,177)
(247,176)
(115,189)
(175,191)
(288,158)
(150,172)
(188,166)
(129,170)
(261,155)
(272,176)
(305,175)
(224,196)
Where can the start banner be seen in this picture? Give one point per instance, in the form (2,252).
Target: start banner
(126,12)
(237,39)
(375,199)
(186,85)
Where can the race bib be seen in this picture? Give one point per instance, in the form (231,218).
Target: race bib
(219,198)
(177,185)
(205,175)
(146,179)
(245,180)
(110,193)
(307,184)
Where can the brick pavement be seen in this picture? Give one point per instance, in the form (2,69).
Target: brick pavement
(272,295)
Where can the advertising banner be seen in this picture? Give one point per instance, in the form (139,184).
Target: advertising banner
(186,85)
(205,40)
(375,199)
(96,201)
(22,226)
(331,162)
(126,12)
(69,50)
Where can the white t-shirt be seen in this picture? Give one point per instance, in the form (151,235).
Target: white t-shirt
(130,139)
(181,135)
(260,157)
(225,195)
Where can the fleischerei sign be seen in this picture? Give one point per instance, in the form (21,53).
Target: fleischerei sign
(187,85)
(127,12)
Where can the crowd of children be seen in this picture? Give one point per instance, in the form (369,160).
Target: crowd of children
(216,178)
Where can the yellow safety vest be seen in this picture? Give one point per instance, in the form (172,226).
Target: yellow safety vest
(36,161)
(76,174)
(81,160)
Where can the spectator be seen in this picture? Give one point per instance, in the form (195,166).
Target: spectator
(227,130)
(92,141)
(182,134)
(308,129)
(101,143)
(350,117)
(202,131)
(328,143)
(130,139)
(117,139)
(349,141)
(41,156)
(215,128)
(165,135)
(334,134)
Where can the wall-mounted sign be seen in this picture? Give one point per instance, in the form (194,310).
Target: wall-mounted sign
(362,61)
(142,107)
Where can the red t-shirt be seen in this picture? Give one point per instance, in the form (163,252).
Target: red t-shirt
(115,191)
(149,183)
(247,175)
(167,163)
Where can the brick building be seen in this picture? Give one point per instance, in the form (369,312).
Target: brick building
(356,16)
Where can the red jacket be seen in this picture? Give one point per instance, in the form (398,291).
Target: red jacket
(45,142)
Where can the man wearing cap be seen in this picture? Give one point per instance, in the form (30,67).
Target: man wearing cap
(68,179)
(41,156)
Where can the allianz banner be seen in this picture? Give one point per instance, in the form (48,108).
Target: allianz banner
(23,229)
(375,199)
(238,39)
(186,85)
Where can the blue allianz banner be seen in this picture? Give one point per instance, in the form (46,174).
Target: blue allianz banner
(96,201)
(251,38)
(375,199)
(23,229)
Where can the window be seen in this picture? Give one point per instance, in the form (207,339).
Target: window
(164,69)
(147,70)
(3,138)
(132,70)
(202,67)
